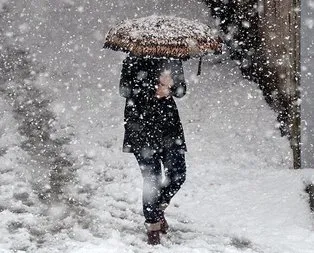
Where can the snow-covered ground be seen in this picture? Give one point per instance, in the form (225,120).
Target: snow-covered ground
(240,194)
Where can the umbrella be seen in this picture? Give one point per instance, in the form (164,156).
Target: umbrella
(163,36)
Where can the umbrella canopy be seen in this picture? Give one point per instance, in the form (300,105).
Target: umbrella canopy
(163,36)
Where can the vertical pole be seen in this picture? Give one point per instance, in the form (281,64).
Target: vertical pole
(295,106)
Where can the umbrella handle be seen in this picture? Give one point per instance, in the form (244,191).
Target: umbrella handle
(199,66)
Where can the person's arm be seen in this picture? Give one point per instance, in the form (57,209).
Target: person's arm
(127,81)
(172,82)
(179,86)
(178,89)
(134,81)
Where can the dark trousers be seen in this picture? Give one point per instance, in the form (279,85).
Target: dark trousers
(155,190)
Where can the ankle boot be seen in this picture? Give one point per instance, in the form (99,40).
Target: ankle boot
(153,230)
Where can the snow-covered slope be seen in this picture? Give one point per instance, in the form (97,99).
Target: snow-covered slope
(240,195)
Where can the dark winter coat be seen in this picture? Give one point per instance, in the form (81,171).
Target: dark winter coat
(151,124)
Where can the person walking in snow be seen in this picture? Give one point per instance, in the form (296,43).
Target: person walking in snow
(154,133)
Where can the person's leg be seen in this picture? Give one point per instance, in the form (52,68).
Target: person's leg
(151,172)
(175,172)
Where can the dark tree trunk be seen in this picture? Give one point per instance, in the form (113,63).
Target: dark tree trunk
(256,33)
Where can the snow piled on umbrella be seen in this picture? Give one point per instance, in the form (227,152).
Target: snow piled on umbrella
(163,36)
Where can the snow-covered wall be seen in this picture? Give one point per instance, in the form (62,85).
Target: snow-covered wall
(307,82)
